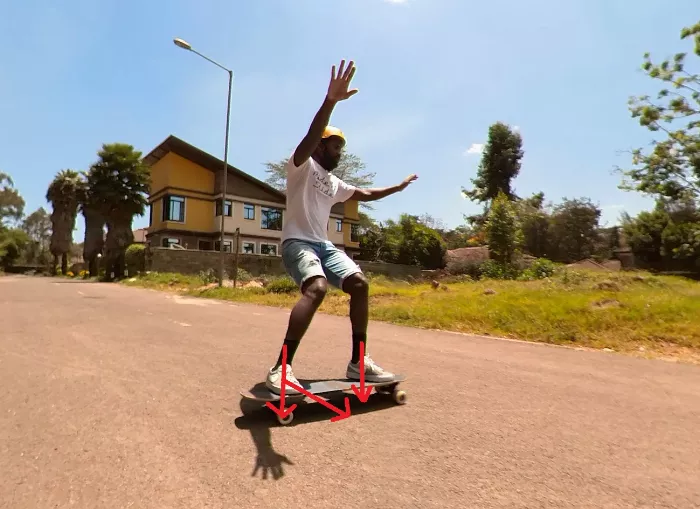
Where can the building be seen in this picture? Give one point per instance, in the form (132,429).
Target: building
(185,205)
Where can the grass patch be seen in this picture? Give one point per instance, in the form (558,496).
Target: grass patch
(626,312)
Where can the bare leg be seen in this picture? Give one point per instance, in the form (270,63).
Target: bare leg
(313,293)
(358,289)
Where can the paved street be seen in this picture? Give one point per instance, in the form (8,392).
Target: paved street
(114,397)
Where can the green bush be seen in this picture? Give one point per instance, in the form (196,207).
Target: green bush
(135,258)
(491,269)
(541,268)
(283,284)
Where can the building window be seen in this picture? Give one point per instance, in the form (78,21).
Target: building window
(169,241)
(248,247)
(248,211)
(354,232)
(205,245)
(227,246)
(229,208)
(339,225)
(174,208)
(271,218)
(268,249)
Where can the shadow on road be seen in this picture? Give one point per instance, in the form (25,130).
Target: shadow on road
(258,419)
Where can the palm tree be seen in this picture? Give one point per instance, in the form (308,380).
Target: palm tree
(118,185)
(94,227)
(64,194)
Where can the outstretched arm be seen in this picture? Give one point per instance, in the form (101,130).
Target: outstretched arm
(382,192)
(337,91)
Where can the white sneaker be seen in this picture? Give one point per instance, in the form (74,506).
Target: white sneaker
(274,380)
(373,372)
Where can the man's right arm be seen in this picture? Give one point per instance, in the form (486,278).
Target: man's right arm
(337,91)
(313,136)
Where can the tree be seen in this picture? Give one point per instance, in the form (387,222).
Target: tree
(672,168)
(406,241)
(534,220)
(500,164)
(12,242)
(37,226)
(11,202)
(503,233)
(351,169)
(573,230)
(118,185)
(665,237)
(64,194)
(93,243)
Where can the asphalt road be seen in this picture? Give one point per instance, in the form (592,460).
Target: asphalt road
(114,397)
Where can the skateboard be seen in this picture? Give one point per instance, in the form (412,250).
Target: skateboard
(326,389)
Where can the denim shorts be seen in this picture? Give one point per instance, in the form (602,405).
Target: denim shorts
(303,259)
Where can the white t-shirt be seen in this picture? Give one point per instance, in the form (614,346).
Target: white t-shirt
(311,192)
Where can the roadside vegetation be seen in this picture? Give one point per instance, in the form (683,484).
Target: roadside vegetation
(637,313)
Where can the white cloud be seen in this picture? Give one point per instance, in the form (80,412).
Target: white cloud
(396,1)
(476,148)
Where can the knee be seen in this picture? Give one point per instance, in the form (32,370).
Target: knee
(316,290)
(357,285)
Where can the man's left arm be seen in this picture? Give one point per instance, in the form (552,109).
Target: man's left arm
(382,192)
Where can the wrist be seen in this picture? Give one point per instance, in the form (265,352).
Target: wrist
(330,100)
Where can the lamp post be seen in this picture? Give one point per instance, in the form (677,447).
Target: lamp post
(185,45)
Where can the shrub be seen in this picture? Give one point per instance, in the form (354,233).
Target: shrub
(284,284)
(491,269)
(135,258)
(541,268)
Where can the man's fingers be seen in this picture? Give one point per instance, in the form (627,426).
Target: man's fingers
(333,73)
(350,72)
(340,69)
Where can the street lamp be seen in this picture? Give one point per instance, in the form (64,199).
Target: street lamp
(185,45)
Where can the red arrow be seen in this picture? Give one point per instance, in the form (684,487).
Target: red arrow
(363,392)
(341,414)
(281,411)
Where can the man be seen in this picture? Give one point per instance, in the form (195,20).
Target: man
(309,257)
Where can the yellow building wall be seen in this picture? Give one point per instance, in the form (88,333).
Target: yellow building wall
(159,176)
(352,210)
(187,175)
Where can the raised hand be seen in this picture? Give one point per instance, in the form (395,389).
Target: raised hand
(338,87)
(408,180)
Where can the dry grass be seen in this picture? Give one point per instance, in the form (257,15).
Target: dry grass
(633,313)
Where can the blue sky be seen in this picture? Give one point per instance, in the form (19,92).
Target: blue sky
(433,75)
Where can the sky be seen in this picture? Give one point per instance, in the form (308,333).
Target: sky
(432,75)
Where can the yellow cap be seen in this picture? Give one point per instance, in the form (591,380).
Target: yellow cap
(333,131)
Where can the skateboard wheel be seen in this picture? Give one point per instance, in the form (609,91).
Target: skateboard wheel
(400,397)
(285,420)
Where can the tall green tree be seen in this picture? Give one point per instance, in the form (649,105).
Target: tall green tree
(406,241)
(37,226)
(64,194)
(535,221)
(11,202)
(503,232)
(573,230)
(119,183)
(500,164)
(351,169)
(93,243)
(672,167)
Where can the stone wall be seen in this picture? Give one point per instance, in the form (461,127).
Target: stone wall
(160,259)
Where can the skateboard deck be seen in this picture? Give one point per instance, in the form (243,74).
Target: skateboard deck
(318,387)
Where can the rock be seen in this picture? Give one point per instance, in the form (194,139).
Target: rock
(435,283)
(489,291)
(608,285)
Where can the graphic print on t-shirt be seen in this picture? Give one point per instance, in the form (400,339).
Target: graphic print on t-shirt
(322,183)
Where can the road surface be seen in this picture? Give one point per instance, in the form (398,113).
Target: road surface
(116,397)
